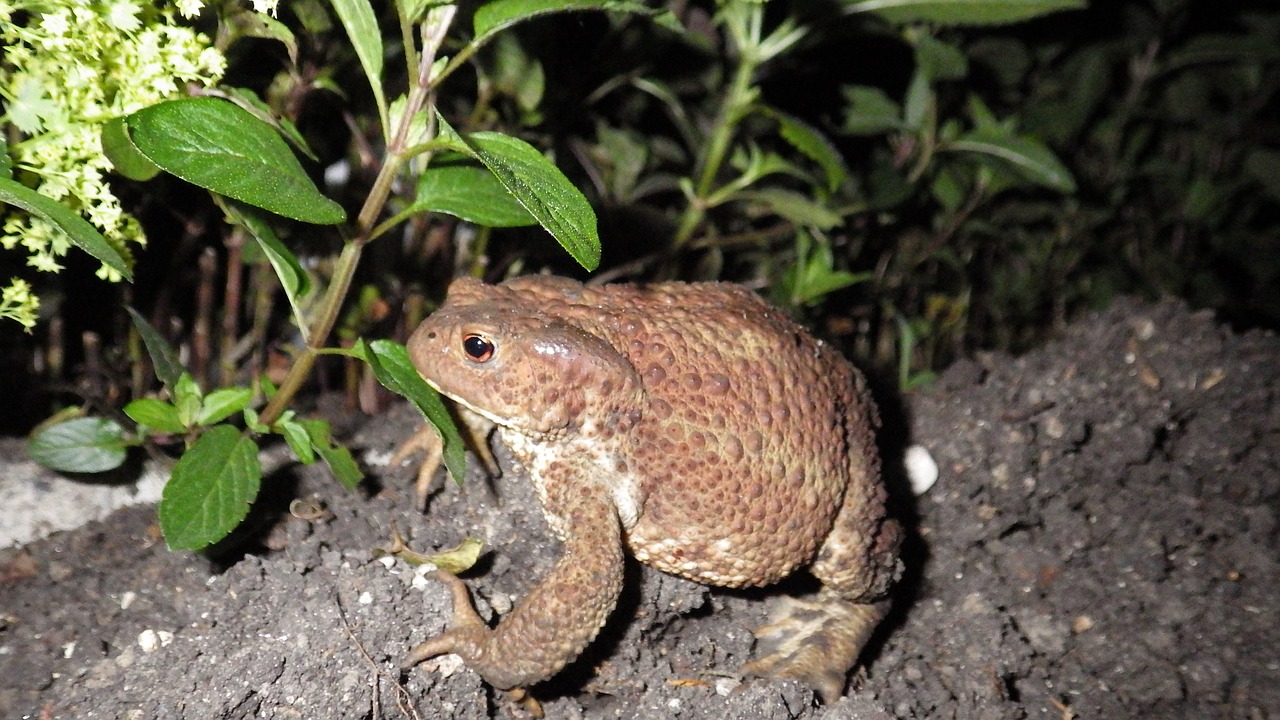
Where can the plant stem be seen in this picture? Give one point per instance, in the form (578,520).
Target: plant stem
(739,97)
(344,270)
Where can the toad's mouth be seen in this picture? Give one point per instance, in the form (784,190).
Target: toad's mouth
(486,414)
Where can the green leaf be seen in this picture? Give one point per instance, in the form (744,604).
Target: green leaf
(210,490)
(155,414)
(222,404)
(920,99)
(415,11)
(293,279)
(456,560)
(81,445)
(254,105)
(6,163)
(814,274)
(869,111)
(361,24)
(494,17)
(948,188)
(1029,157)
(961,12)
(187,398)
(337,457)
(125,157)
(299,441)
(795,208)
(544,191)
(241,22)
(221,147)
(815,146)
(391,365)
(163,357)
(939,60)
(82,234)
(470,192)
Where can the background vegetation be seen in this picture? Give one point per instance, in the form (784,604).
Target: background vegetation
(917,183)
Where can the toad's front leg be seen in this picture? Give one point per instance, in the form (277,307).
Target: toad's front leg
(560,616)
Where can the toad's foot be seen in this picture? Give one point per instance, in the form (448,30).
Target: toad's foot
(467,630)
(471,639)
(426,440)
(815,641)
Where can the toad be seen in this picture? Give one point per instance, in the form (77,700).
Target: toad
(689,424)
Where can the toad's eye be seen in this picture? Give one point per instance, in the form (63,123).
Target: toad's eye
(477,347)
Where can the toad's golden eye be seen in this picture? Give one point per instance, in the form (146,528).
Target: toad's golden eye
(477,347)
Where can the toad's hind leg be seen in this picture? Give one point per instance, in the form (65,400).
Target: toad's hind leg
(817,640)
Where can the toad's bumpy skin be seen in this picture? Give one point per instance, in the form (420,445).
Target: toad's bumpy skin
(692,424)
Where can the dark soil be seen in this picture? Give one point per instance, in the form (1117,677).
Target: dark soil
(1102,543)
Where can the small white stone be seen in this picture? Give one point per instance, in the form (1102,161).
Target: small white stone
(922,470)
(388,561)
(726,685)
(366,598)
(448,664)
(148,640)
(151,640)
(69,649)
(420,573)
(127,599)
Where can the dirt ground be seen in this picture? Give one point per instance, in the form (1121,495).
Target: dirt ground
(1102,543)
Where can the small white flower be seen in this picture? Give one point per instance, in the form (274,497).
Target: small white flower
(55,24)
(189,8)
(123,16)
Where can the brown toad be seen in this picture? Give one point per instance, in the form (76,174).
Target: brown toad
(691,424)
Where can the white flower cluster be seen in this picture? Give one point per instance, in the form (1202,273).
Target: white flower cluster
(67,67)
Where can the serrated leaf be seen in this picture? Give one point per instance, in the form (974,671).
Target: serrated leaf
(337,457)
(494,17)
(544,191)
(125,157)
(470,192)
(81,445)
(220,146)
(210,490)
(1029,157)
(82,234)
(392,367)
(962,12)
(815,146)
(164,358)
(222,404)
(358,19)
(155,414)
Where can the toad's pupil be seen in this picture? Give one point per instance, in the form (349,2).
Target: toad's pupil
(477,348)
